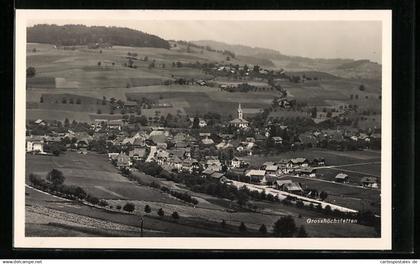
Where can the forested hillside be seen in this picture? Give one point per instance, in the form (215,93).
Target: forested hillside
(83,35)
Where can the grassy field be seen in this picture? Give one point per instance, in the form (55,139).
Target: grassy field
(96,175)
(78,72)
(331,157)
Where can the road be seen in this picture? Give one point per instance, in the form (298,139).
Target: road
(283,195)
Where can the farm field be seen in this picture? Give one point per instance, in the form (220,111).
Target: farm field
(331,157)
(95,174)
(95,74)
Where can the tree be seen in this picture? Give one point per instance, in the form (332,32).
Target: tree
(242,227)
(314,112)
(99,63)
(99,111)
(284,227)
(160,212)
(196,122)
(129,207)
(263,229)
(175,215)
(223,223)
(302,232)
(55,177)
(30,72)
(147,209)
(362,87)
(323,195)
(66,123)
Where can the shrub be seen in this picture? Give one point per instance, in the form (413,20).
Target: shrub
(55,177)
(92,199)
(129,207)
(160,212)
(118,207)
(284,227)
(299,204)
(147,209)
(223,223)
(175,215)
(103,203)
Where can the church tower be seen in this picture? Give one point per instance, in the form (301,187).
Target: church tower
(240,114)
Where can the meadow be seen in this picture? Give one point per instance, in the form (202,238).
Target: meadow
(96,73)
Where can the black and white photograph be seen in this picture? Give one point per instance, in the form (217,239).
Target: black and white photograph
(203,129)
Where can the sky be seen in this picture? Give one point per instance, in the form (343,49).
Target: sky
(313,39)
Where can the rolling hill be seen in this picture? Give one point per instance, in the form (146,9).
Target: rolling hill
(346,68)
(69,35)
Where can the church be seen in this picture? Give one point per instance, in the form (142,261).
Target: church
(239,122)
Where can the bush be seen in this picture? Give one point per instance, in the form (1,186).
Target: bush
(118,207)
(129,207)
(103,203)
(175,215)
(223,223)
(30,72)
(55,177)
(147,209)
(299,204)
(160,212)
(92,199)
(284,227)
(242,227)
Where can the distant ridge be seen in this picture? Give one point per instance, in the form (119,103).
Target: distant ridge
(346,68)
(83,35)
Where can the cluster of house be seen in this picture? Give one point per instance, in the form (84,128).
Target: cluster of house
(315,137)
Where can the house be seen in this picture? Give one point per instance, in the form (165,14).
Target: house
(289,186)
(207,141)
(342,177)
(215,165)
(174,162)
(123,161)
(318,162)
(190,165)
(130,105)
(115,124)
(239,122)
(271,170)
(309,172)
(238,163)
(224,145)
(35,145)
(113,155)
(137,153)
(201,122)
(255,175)
(298,162)
(267,163)
(277,140)
(217,176)
(208,172)
(369,182)
(158,136)
(40,122)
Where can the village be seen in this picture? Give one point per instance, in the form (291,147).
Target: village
(221,157)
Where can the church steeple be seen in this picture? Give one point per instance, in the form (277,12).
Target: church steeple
(240,113)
